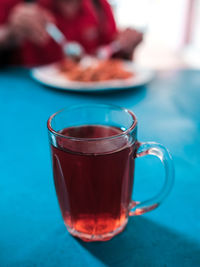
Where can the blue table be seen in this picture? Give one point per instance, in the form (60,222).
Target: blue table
(32,232)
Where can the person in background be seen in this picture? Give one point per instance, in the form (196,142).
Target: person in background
(24,40)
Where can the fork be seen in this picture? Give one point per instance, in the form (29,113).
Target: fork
(72,49)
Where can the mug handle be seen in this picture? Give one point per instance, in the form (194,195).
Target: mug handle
(151,148)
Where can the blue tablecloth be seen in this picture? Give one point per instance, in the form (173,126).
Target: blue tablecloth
(32,232)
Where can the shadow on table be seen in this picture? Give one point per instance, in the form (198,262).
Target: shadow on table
(144,243)
(137,93)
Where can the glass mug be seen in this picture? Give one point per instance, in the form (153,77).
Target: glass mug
(94,148)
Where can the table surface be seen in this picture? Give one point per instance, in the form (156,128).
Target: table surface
(32,232)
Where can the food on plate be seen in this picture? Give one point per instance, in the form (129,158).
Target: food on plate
(102,70)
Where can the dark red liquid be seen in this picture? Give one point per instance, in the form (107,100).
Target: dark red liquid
(93,179)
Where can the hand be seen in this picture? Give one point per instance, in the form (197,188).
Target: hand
(129,40)
(28,21)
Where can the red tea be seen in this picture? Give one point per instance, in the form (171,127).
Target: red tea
(93,179)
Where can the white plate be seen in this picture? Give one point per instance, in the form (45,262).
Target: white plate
(50,76)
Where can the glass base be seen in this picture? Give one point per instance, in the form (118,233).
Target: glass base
(92,238)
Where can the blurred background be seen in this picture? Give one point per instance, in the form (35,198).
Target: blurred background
(172,31)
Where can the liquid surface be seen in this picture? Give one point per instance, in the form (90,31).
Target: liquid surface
(94,189)
(91,131)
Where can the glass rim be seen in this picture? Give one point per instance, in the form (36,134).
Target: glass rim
(54,132)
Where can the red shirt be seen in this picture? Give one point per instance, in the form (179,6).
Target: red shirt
(90,28)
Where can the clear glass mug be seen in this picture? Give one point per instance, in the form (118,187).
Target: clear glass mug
(94,148)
